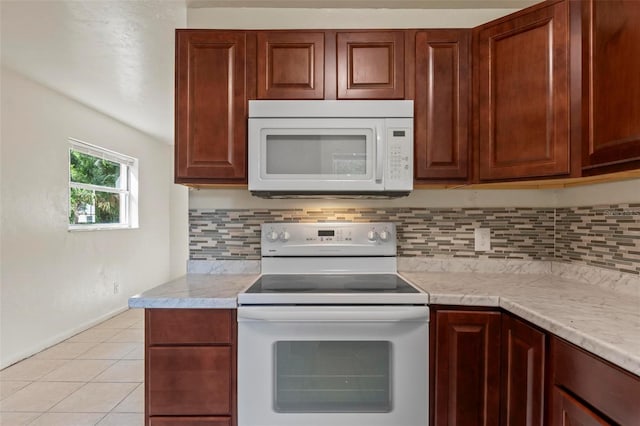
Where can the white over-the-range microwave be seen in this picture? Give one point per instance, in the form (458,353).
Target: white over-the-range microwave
(331,148)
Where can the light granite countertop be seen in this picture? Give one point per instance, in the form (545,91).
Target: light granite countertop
(596,319)
(600,320)
(203,291)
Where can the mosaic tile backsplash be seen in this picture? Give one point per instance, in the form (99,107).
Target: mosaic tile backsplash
(603,236)
(516,233)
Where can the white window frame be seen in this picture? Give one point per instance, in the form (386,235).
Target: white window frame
(128,193)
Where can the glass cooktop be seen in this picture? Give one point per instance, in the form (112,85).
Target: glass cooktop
(347,283)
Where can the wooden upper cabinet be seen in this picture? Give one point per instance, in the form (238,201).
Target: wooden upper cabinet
(442,96)
(523,95)
(370,65)
(290,65)
(211,106)
(523,372)
(466,368)
(611,70)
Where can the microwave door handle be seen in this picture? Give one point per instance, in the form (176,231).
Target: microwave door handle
(379,156)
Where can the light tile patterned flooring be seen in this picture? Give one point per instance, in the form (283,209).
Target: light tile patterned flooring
(94,378)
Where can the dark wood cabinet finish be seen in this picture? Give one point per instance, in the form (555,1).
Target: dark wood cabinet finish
(370,65)
(570,412)
(290,65)
(611,66)
(190,367)
(442,96)
(523,373)
(523,95)
(211,106)
(190,421)
(605,388)
(466,367)
(177,328)
(189,380)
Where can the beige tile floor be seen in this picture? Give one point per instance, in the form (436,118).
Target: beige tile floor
(94,378)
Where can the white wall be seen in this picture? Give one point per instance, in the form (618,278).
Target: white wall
(293,18)
(56,282)
(623,192)
(179,231)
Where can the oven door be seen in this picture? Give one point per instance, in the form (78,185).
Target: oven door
(316,154)
(333,365)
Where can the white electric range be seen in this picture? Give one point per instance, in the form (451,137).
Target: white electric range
(330,334)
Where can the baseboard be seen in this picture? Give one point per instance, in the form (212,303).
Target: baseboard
(54,340)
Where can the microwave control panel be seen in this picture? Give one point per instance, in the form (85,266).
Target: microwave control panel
(399,170)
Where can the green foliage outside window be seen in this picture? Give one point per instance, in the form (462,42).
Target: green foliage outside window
(92,206)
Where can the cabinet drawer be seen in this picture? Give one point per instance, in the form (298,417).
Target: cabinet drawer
(189,380)
(189,326)
(190,421)
(610,390)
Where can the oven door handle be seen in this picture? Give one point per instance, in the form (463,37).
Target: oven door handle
(333,314)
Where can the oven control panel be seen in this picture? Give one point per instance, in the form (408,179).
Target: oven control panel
(328,239)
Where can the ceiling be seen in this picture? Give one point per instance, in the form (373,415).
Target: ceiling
(113,56)
(117,56)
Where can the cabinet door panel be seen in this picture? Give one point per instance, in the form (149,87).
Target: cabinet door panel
(370,65)
(442,104)
(523,96)
(467,368)
(189,380)
(611,64)
(570,412)
(211,110)
(290,65)
(523,369)
(190,421)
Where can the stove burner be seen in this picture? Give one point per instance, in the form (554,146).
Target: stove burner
(330,283)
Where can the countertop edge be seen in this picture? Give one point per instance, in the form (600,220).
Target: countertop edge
(614,354)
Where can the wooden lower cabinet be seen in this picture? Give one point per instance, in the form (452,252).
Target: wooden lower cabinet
(466,361)
(190,367)
(189,380)
(487,368)
(587,390)
(570,412)
(523,373)
(190,421)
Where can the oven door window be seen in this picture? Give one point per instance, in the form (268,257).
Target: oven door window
(332,377)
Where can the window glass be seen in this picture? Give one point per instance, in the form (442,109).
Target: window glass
(332,376)
(101,190)
(85,168)
(343,155)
